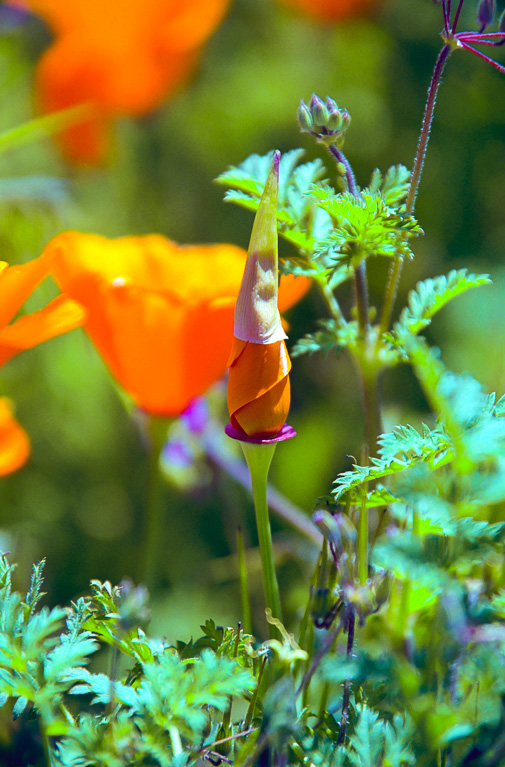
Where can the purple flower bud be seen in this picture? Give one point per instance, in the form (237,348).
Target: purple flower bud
(486,12)
(305,118)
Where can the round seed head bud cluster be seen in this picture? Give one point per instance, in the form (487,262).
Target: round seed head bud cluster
(324,119)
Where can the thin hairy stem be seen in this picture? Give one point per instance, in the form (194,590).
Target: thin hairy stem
(396,267)
(349,175)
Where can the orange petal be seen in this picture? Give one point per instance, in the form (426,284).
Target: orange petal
(123,56)
(14,442)
(258,387)
(19,282)
(264,417)
(160,315)
(291,290)
(61,315)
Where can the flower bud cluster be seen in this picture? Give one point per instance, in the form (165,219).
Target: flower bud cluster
(325,120)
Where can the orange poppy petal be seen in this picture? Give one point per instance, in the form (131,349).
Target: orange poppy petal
(291,290)
(19,282)
(61,315)
(14,442)
(258,387)
(123,56)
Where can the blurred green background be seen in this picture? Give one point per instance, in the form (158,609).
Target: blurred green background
(79,501)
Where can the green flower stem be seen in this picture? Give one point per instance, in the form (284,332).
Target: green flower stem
(370,381)
(46,744)
(404,607)
(363,539)
(361,293)
(347,684)
(332,303)
(244,588)
(259,457)
(153,526)
(280,505)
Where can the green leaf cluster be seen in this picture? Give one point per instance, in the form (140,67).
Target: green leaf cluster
(363,227)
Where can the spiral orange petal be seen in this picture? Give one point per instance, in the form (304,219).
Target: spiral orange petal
(258,388)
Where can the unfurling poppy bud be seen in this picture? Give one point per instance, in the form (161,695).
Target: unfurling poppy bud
(258,384)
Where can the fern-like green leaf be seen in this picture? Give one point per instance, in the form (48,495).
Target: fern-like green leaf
(331,335)
(431,295)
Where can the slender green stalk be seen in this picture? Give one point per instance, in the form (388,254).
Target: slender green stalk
(244,586)
(252,705)
(259,458)
(323,704)
(371,384)
(363,540)
(331,301)
(404,608)
(361,293)
(153,528)
(281,506)
(347,684)
(46,744)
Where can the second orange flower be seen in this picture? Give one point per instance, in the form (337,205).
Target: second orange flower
(161,315)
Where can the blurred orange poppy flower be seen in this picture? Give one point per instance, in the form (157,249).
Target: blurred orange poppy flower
(160,314)
(16,284)
(14,442)
(123,57)
(62,314)
(331,10)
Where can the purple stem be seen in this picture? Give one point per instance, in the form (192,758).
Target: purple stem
(494,63)
(476,37)
(396,268)
(349,175)
(446,10)
(456,17)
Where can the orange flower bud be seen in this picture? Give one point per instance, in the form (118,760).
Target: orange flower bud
(258,384)
(259,393)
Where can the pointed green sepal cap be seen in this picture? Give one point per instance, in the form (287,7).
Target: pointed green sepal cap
(257,317)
